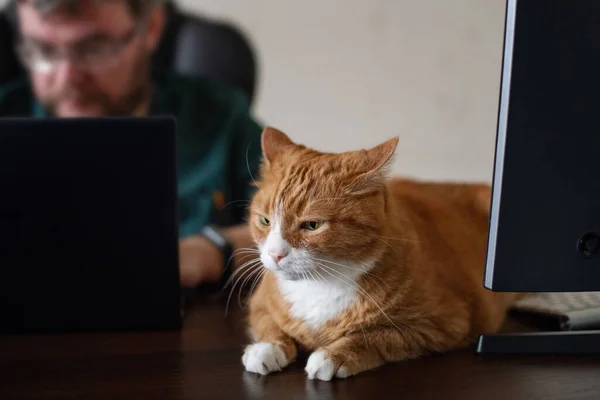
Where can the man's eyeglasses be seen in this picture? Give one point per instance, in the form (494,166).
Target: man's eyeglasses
(95,55)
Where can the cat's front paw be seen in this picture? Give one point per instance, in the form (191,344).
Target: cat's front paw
(264,358)
(321,366)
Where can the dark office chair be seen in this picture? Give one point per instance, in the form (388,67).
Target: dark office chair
(191,45)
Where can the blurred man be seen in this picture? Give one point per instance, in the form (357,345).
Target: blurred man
(92,58)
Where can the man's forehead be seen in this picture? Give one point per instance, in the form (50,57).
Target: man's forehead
(64,25)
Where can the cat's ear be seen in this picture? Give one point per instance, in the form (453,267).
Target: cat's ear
(274,142)
(378,159)
(373,167)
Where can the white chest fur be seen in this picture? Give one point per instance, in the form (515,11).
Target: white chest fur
(317,302)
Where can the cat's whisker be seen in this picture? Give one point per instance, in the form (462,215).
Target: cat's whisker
(351,282)
(343,265)
(240,268)
(313,273)
(259,277)
(321,276)
(248,269)
(380,279)
(305,275)
(363,270)
(246,254)
(248,164)
(233,202)
(245,250)
(254,273)
(386,243)
(237,272)
(399,239)
(244,257)
(361,290)
(246,265)
(355,311)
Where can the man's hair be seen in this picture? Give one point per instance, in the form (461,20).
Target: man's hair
(138,8)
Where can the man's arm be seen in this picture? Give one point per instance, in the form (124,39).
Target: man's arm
(201,262)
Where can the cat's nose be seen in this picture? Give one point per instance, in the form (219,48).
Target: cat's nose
(277,255)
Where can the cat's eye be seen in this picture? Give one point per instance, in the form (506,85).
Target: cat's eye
(264,221)
(312,225)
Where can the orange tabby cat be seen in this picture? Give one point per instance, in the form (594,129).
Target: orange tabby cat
(363,270)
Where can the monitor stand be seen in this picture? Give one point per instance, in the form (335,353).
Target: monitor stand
(564,342)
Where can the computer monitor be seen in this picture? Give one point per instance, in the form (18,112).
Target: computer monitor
(545,213)
(88,225)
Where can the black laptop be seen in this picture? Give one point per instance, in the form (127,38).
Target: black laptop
(88,225)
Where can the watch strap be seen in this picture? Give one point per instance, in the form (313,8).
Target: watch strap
(214,235)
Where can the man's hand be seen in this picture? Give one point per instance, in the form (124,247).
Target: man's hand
(201,262)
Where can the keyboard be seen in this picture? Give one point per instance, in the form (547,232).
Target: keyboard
(572,310)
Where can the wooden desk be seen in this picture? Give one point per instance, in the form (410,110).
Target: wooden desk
(204,361)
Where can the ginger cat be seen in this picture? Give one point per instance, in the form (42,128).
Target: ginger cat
(361,270)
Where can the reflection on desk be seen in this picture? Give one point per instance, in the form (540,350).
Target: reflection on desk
(204,361)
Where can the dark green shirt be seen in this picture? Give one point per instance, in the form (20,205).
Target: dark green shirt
(218,144)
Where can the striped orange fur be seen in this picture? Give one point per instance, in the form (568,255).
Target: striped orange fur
(393,269)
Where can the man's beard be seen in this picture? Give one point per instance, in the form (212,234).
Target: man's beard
(126,105)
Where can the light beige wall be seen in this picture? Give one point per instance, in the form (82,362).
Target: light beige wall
(345,74)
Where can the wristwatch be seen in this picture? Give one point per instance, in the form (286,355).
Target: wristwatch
(220,241)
